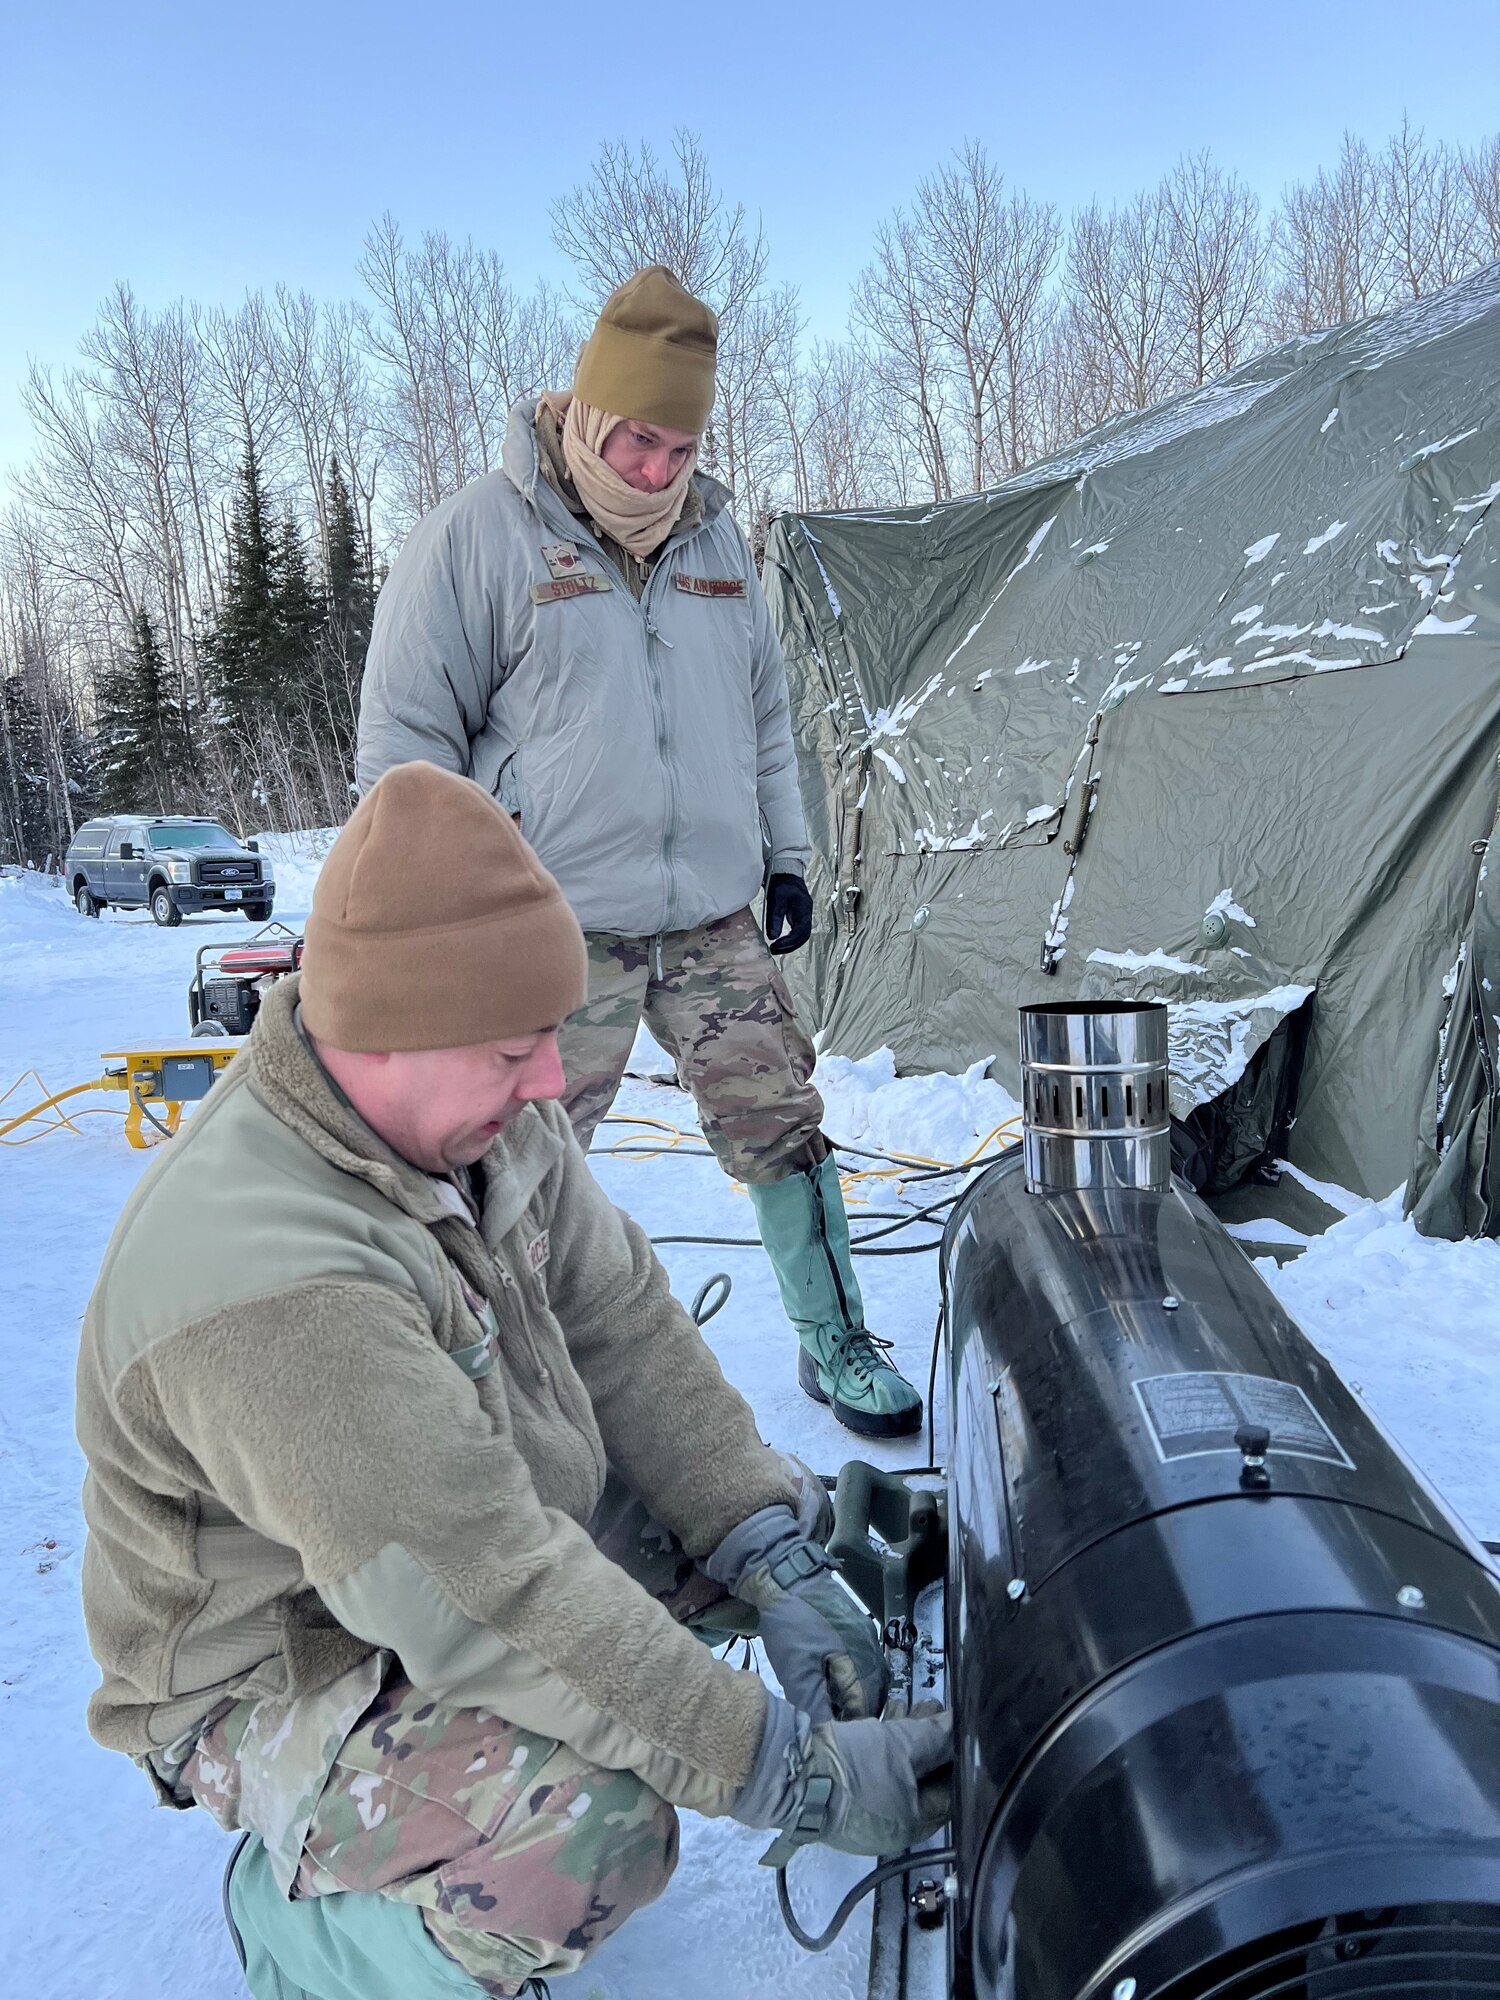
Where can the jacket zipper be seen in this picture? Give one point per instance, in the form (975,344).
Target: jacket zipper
(668,844)
(515,1295)
(668,838)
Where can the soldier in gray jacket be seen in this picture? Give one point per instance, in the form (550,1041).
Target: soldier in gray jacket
(584,633)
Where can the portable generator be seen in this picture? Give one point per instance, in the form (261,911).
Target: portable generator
(229,981)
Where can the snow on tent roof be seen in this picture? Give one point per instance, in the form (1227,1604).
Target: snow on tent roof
(1252,639)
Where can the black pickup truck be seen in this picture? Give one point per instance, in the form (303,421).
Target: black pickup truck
(169,864)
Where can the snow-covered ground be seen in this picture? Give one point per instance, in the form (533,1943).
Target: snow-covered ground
(102,1897)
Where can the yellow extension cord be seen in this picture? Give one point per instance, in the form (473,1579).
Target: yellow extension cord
(62,1122)
(672,1135)
(1007,1132)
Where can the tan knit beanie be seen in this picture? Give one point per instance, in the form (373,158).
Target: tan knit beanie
(651,356)
(434,926)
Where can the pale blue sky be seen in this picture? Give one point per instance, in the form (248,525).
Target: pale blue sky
(200,149)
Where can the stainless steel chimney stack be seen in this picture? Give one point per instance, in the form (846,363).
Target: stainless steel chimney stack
(1094,1095)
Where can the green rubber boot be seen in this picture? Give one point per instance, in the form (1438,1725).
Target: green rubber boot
(806,1234)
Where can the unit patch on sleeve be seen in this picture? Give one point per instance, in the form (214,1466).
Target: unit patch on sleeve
(711,586)
(581,585)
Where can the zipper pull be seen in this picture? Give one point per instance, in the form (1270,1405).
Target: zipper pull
(658,637)
(660,969)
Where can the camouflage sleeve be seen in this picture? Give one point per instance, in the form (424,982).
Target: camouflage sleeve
(432,664)
(683,1437)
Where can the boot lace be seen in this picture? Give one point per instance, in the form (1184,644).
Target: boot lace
(861,1354)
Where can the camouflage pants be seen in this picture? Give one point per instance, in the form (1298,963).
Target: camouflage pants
(715,1000)
(521,1855)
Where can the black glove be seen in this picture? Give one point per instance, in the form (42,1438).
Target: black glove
(789,909)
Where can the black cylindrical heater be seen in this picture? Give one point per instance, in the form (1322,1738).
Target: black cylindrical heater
(1225,1669)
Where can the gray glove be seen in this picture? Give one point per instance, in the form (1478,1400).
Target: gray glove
(864,1787)
(821,1643)
(814,1501)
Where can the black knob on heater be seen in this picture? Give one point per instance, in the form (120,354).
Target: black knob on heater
(1254,1441)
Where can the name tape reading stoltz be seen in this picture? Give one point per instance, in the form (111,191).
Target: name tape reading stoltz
(569,586)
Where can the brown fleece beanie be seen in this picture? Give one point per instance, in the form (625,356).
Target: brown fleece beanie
(651,356)
(434,926)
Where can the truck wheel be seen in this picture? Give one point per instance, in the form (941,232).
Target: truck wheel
(164,910)
(257,912)
(83,901)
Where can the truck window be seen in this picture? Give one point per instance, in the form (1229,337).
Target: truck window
(190,836)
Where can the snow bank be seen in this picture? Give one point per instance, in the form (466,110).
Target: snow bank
(939,1117)
(30,903)
(1413,1325)
(298,860)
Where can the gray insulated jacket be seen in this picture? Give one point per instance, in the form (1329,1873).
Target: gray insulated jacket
(646,746)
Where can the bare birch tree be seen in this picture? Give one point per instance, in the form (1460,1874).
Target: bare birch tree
(1481,172)
(851,461)
(1120,288)
(39,656)
(631,211)
(1217,267)
(1330,247)
(1425,213)
(457,346)
(907,359)
(144,386)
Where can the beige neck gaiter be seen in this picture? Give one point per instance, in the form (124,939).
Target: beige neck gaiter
(639,522)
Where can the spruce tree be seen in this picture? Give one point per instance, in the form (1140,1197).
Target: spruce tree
(350,599)
(47,782)
(350,604)
(299,622)
(26,824)
(245,651)
(142,743)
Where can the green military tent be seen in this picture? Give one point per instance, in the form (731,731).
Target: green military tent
(1205,709)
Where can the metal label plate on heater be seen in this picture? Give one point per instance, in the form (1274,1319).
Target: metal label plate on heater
(1190,1415)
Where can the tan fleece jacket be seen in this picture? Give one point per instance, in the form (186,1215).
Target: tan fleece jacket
(324,1412)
